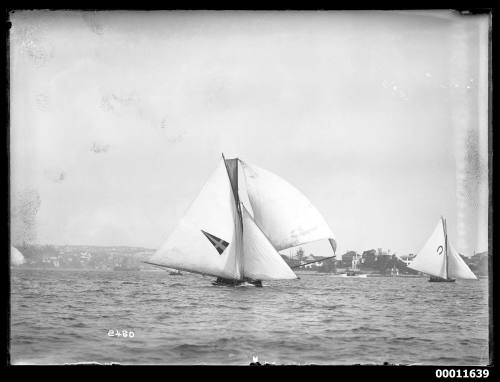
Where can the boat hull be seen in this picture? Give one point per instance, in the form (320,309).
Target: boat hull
(363,275)
(234,283)
(434,279)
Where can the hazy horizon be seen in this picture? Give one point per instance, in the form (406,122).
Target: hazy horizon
(380,118)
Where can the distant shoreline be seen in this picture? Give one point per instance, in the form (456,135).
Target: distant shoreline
(79,269)
(312,273)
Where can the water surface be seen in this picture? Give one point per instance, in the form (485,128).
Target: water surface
(65,317)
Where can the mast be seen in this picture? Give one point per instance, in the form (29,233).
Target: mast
(445,245)
(234,185)
(233,180)
(333,243)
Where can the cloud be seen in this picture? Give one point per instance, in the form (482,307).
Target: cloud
(99,148)
(115,101)
(42,101)
(173,132)
(55,175)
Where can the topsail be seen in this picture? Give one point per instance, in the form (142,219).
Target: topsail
(237,224)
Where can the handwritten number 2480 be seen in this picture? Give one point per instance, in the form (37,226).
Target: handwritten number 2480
(122,333)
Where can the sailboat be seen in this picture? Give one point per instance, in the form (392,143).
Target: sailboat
(237,224)
(16,257)
(439,259)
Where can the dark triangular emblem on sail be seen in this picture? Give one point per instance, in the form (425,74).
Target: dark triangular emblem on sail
(219,244)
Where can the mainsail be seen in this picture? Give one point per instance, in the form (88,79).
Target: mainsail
(431,258)
(213,212)
(237,224)
(439,258)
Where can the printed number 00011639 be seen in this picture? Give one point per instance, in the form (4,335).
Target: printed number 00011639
(462,373)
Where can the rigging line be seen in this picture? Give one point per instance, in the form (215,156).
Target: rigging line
(180,269)
(301,243)
(311,262)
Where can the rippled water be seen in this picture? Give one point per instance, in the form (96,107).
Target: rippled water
(65,316)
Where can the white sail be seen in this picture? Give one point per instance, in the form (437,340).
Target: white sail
(243,190)
(281,211)
(457,268)
(261,261)
(431,258)
(210,225)
(234,228)
(16,257)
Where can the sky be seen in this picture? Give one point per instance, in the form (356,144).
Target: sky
(117,119)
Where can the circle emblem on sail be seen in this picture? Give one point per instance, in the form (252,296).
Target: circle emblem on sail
(219,244)
(440,250)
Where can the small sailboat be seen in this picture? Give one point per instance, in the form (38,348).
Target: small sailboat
(439,259)
(394,271)
(16,257)
(235,227)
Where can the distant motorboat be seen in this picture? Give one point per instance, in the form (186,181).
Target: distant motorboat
(353,273)
(440,260)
